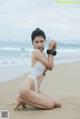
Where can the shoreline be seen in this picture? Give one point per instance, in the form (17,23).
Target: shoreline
(17,71)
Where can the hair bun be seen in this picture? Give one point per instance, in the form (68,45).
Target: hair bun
(37,29)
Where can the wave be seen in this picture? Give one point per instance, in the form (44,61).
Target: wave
(15,49)
(24,56)
(15,61)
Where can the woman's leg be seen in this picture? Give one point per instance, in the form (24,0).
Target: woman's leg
(21,105)
(28,95)
(31,97)
(37,100)
(33,104)
(56,101)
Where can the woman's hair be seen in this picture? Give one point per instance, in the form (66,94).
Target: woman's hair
(37,32)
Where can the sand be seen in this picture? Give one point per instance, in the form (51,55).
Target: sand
(63,82)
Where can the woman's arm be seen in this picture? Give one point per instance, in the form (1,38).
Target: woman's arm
(40,79)
(47,61)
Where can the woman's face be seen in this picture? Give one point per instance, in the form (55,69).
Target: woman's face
(39,42)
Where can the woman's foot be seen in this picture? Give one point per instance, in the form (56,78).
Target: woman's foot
(20,105)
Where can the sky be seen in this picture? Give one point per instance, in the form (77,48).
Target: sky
(60,21)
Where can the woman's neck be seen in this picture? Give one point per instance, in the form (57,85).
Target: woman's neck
(40,49)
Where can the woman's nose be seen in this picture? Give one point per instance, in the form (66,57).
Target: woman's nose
(39,45)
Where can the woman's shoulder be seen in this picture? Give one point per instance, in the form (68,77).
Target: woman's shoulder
(35,51)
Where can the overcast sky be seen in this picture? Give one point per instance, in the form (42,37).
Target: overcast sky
(18,18)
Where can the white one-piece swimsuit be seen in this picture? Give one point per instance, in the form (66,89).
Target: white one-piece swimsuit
(36,71)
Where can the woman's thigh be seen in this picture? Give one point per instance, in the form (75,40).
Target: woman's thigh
(27,84)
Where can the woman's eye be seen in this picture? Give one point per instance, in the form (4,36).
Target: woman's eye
(36,41)
(41,41)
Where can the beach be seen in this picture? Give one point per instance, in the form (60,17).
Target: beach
(48,21)
(63,82)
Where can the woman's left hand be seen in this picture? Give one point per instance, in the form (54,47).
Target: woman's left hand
(52,44)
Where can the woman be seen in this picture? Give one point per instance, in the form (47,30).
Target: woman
(29,93)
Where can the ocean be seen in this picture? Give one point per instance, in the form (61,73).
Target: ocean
(15,57)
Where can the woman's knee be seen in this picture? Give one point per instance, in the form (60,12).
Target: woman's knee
(57,102)
(50,105)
